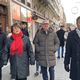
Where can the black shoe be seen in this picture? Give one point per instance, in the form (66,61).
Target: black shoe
(36,74)
(58,57)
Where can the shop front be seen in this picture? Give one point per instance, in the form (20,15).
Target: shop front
(21,14)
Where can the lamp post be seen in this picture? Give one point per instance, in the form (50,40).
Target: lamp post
(74,11)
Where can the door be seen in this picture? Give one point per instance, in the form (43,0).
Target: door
(3,22)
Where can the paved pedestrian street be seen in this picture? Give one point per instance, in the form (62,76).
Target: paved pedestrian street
(60,73)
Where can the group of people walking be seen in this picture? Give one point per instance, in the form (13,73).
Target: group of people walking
(18,49)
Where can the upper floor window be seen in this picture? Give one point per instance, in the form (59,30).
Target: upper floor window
(28,4)
(23,1)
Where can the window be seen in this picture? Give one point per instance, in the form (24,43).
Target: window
(28,4)
(23,1)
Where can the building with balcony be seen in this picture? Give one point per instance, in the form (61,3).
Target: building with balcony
(16,11)
(48,9)
(3,14)
(62,16)
(32,12)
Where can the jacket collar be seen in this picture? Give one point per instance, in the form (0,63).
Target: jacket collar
(49,30)
(76,37)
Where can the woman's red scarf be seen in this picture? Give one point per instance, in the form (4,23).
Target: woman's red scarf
(17,44)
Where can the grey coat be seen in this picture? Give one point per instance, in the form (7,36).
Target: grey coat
(20,64)
(45,47)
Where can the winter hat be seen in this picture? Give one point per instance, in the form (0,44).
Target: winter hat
(46,21)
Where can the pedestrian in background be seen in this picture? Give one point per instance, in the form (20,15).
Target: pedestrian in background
(46,44)
(60,34)
(24,28)
(37,63)
(2,45)
(16,49)
(72,55)
(66,33)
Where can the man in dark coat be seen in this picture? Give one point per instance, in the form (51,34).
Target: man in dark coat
(72,55)
(2,45)
(60,34)
(24,29)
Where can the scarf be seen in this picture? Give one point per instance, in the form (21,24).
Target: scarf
(17,45)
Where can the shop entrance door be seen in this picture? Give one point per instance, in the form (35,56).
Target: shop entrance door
(3,22)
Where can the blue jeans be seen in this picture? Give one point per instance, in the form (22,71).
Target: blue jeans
(62,51)
(45,73)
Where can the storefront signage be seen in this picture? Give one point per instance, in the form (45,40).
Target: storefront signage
(23,14)
(15,11)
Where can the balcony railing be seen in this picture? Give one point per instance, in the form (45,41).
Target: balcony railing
(44,2)
(54,6)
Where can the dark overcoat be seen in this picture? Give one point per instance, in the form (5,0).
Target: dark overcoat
(20,64)
(25,32)
(2,45)
(72,55)
(60,34)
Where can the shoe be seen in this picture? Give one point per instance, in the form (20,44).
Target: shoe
(36,74)
(58,57)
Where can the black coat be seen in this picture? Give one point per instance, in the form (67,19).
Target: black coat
(60,34)
(72,55)
(2,45)
(25,32)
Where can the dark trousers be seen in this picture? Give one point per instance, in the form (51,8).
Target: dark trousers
(62,51)
(0,73)
(37,66)
(45,73)
(22,79)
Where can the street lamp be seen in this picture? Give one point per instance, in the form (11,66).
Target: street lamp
(74,11)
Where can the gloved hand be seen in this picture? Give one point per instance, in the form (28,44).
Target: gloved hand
(67,68)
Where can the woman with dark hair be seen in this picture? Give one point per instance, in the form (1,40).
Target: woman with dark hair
(19,48)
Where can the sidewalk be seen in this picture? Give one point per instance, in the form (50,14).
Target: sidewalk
(60,73)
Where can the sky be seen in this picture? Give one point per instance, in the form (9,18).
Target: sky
(71,9)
